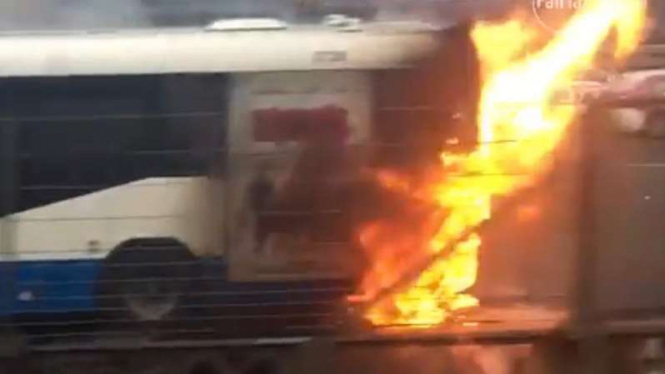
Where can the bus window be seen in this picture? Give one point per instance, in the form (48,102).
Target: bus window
(83,134)
(7,153)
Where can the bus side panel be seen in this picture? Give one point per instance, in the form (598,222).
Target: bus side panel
(50,287)
(98,161)
(296,141)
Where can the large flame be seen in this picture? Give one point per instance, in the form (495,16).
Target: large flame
(519,128)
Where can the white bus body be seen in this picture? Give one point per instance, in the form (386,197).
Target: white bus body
(56,250)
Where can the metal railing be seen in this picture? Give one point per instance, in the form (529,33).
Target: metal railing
(211,307)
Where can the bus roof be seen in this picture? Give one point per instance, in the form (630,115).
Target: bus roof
(162,51)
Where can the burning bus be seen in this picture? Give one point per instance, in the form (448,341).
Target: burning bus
(257,177)
(147,174)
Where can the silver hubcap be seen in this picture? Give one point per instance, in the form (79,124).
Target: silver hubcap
(151,300)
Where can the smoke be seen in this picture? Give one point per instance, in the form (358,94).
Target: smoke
(22,15)
(34,15)
(441,11)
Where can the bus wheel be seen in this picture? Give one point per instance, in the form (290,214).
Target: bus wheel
(146,280)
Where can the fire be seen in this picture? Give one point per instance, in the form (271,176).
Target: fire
(519,128)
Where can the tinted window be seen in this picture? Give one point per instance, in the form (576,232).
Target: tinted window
(81,134)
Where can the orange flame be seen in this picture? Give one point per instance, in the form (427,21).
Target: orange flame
(519,128)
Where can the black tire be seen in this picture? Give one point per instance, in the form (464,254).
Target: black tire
(146,280)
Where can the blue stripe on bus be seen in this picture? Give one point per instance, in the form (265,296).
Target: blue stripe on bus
(48,286)
(68,286)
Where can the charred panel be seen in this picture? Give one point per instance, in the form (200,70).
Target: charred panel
(418,110)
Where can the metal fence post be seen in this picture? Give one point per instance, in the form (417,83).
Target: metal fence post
(592,346)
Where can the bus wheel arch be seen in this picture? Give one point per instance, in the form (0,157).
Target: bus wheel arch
(146,279)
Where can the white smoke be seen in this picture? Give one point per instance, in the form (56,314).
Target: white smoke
(441,11)
(22,15)
(39,15)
